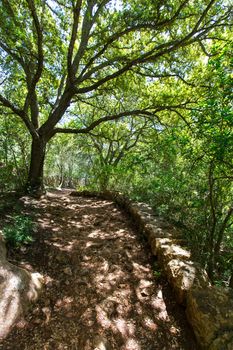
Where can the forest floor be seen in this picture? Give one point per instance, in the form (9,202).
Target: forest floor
(101,288)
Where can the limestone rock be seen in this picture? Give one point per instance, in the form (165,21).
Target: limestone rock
(121,200)
(18,288)
(185,275)
(152,231)
(155,242)
(210,313)
(142,214)
(135,213)
(167,250)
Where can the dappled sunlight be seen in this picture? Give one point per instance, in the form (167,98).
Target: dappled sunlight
(106,282)
(101,292)
(68,246)
(149,323)
(101,204)
(88,317)
(131,344)
(56,229)
(126,328)
(138,270)
(174,330)
(102,317)
(98,234)
(64,303)
(44,222)
(160,308)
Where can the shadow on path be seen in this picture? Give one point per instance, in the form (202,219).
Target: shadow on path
(101,291)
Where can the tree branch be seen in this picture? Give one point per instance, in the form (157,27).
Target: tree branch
(76,14)
(97,122)
(31,98)
(115,37)
(14,109)
(6,103)
(85,35)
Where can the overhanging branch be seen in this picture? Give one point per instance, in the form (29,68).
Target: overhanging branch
(99,121)
(149,112)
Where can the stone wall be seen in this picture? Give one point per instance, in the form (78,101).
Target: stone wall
(209,309)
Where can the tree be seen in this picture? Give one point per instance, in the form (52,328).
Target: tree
(112,143)
(67,161)
(57,56)
(214,127)
(185,170)
(13,153)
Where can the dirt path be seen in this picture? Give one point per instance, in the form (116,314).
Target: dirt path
(101,291)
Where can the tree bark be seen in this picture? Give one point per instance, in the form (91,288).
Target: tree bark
(35,184)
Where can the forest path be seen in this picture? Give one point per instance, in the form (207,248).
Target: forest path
(101,291)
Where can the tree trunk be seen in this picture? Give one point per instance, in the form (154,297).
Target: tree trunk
(35,184)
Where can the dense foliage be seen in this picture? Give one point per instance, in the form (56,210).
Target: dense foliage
(125,95)
(19,231)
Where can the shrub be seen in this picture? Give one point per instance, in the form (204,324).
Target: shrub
(19,232)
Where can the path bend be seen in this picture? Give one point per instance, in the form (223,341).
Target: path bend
(101,290)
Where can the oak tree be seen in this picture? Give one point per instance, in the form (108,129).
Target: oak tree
(56,56)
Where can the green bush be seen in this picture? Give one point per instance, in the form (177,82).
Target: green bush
(19,232)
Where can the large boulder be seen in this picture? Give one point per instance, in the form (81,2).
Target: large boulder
(18,288)
(210,313)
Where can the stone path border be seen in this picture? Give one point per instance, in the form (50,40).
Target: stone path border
(209,309)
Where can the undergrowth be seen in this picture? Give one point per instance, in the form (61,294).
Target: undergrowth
(19,232)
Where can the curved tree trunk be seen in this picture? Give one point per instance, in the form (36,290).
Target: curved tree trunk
(35,184)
